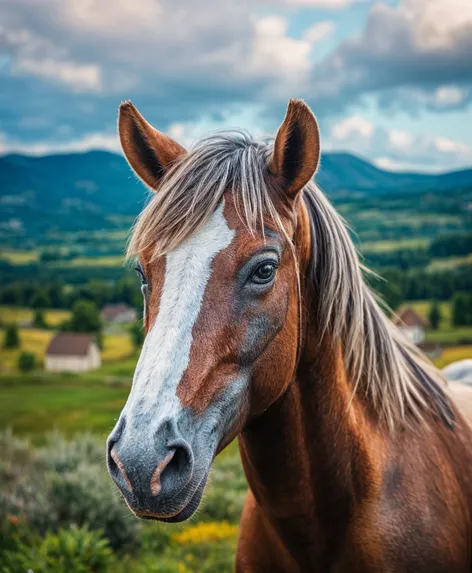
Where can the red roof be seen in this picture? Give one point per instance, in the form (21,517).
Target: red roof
(407,316)
(70,344)
(111,311)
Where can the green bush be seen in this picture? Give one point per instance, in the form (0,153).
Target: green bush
(26,361)
(73,550)
(65,483)
(12,338)
(434,315)
(462,309)
(59,512)
(39,319)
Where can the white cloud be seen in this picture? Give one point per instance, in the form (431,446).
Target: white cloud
(445,145)
(399,138)
(88,142)
(194,68)
(215,50)
(397,149)
(446,96)
(390,164)
(438,25)
(273,47)
(354,125)
(319,31)
(79,77)
(415,53)
(326,4)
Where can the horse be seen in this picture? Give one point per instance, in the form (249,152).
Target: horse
(260,325)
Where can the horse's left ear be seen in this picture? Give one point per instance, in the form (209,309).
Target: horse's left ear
(296,149)
(149,152)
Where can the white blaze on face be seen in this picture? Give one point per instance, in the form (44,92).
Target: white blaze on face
(166,350)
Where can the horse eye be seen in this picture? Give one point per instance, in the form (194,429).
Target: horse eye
(140,273)
(264,273)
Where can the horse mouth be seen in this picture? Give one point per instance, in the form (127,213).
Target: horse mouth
(181,511)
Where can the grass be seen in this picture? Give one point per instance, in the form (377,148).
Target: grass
(18,256)
(105,261)
(36,405)
(453,354)
(455,336)
(116,347)
(31,340)
(449,263)
(386,246)
(53,317)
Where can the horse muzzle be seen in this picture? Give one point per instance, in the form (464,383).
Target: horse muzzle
(155,471)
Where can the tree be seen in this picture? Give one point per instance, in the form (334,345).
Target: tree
(462,309)
(56,294)
(389,292)
(434,315)
(40,299)
(26,361)
(85,317)
(38,320)
(12,338)
(137,334)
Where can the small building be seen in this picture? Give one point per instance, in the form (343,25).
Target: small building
(431,349)
(118,313)
(72,352)
(411,324)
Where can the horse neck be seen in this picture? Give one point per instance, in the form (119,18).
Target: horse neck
(312,456)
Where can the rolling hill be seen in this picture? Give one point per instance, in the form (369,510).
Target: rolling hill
(83,191)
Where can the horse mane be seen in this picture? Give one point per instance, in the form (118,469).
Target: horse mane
(394,376)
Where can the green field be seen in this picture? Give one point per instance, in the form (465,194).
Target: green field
(392,245)
(68,403)
(53,317)
(19,256)
(33,404)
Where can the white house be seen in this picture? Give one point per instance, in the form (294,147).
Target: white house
(411,324)
(118,313)
(72,352)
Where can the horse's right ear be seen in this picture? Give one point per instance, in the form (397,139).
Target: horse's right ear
(149,152)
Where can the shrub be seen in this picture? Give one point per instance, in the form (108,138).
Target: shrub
(65,483)
(12,339)
(39,320)
(434,315)
(26,361)
(73,550)
(40,299)
(85,317)
(462,309)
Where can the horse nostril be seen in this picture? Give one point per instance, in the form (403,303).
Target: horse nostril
(156,476)
(116,468)
(175,468)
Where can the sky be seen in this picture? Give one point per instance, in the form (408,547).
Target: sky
(389,80)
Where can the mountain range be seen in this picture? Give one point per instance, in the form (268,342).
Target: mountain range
(81,191)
